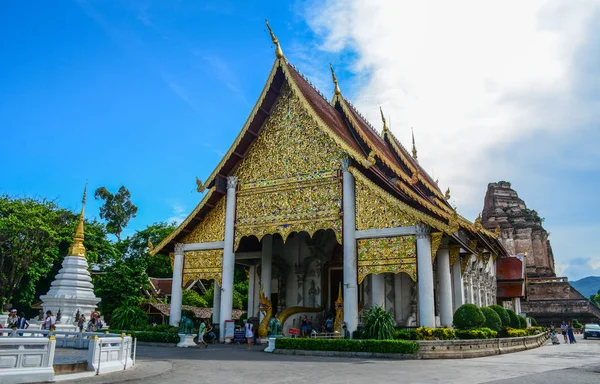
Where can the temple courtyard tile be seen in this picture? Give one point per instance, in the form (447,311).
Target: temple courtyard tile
(577,363)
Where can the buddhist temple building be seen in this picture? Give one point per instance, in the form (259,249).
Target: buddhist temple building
(311,197)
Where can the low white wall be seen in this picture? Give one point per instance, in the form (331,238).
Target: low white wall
(109,354)
(26,359)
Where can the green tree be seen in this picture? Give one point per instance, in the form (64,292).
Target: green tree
(193,298)
(136,247)
(117,209)
(596,299)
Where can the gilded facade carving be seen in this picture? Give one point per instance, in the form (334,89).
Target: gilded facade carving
(289,180)
(454,254)
(212,226)
(436,240)
(387,255)
(205,265)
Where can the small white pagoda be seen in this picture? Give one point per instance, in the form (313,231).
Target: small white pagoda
(72,289)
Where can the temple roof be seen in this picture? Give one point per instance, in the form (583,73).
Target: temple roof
(381,157)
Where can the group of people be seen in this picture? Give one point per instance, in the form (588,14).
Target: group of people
(205,329)
(568,332)
(17,321)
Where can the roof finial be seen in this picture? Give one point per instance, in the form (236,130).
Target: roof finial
(278,51)
(385,126)
(337,88)
(447,195)
(414,148)
(77,248)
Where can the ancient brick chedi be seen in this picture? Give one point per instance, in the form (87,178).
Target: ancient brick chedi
(549,298)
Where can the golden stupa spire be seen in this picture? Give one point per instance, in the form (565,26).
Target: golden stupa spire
(414,147)
(77,248)
(278,51)
(335,81)
(385,126)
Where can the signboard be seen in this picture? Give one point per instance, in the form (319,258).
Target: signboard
(294,331)
(229,329)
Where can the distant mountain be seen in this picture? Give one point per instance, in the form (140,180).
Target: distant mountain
(587,286)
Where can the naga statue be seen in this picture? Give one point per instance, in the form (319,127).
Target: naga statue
(339,311)
(266,308)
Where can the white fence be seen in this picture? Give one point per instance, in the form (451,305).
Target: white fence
(25,360)
(109,354)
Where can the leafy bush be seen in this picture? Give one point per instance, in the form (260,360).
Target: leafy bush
(347,345)
(379,324)
(424,333)
(522,322)
(532,331)
(468,316)
(502,313)
(576,324)
(405,334)
(357,334)
(492,320)
(533,322)
(516,332)
(476,333)
(514,319)
(193,298)
(128,317)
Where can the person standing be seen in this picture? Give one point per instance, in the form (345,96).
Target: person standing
(201,330)
(12,319)
(304,326)
(249,333)
(50,321)
(570,331)
(22,323)
(81,322)
(563,328)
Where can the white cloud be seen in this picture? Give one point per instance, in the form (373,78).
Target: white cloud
(179,213)
(471,77)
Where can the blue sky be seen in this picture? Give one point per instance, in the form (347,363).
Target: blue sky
(150,94)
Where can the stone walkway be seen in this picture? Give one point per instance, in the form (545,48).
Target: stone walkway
(236,364)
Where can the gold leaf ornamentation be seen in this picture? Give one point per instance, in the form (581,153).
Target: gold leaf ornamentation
(436,240)
(387,255)
(205,265)
(212,226)
(464,261)
(454,254)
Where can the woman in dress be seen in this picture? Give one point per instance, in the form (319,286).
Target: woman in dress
(249,333)
(571,334)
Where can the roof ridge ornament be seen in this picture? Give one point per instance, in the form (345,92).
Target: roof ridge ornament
(278,51)
(335,81)
(77,248)
(385,126)
(447,194)
(199,186)
(414,147)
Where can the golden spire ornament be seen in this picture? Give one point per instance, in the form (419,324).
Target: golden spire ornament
(199,186)
(385,126)
(77,248)
(335,81)
(414,147)
(278,51)
(447,195)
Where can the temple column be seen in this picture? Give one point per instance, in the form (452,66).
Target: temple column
(459,294)
(378,290)
(176,286)
(228,258)
(349,244)
(425,277)
(251,283)
(398,308)
(216,303)
(445,286)
(266,267)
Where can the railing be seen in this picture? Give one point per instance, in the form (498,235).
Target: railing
(109,354)
(64,339)
(25,360)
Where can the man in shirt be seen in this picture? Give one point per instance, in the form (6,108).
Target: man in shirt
(201,330)
(50,321)
(22,322)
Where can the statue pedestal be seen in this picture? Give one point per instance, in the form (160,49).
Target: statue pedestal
(186,340)
(271,346)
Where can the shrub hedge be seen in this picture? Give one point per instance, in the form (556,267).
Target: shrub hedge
(522,322)
(154,337)
(476,333)
(405,334)
(347,345)
(514,319)
(516,332)
(502,313)
(534,322)
(492,320)
(424,333)
(531,331)
(468,316)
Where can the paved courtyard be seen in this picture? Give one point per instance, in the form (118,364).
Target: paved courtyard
(578,363)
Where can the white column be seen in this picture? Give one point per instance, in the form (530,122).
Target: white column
(445,288)
(459,294)
(266,268)
(398,308)
(378,290)
(517,305)
(252,273)
(425,277)
(216,304)
(228,258)
(349,245)
(176,290)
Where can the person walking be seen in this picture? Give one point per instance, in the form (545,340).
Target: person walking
(249,333)
(563,329)
(570,330)
(201,330)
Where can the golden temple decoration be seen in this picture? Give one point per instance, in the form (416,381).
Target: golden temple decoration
(199,186)
(278,51)
(464,262)
(370,160)
(436,240)
(289,180)
(77,248)
(497,231)
(339,311)
(203,265)
(414,147)
(415,178)
(473,245)
(477,223)
(335,81)
(385,126)
(212,226)
(150,246)
(454,254)
(387,255)
(447,194)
